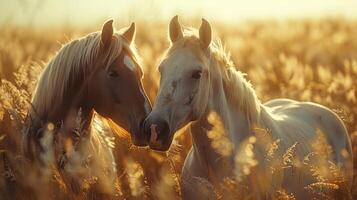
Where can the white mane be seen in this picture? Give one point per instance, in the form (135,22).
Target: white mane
(240,91)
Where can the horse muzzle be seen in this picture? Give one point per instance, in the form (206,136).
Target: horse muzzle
(158,132)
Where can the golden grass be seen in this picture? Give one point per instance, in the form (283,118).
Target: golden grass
(310,60)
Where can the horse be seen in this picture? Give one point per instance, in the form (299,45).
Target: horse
(198,78)
(91,82)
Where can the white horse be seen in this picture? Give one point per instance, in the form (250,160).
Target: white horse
(197,79)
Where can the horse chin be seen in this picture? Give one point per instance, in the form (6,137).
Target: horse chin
(161,145)
(139,139)
(165,147)
(139,143)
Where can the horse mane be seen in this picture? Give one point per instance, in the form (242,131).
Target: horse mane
(238,89)
(235,80)
(69,68)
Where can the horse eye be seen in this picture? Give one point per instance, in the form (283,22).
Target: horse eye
(196,74)
(113,74)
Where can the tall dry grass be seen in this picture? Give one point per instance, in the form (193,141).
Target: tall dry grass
(309,60)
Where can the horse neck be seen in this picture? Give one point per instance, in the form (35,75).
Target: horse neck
(235,120)
(236,123)
(69,123)
(78,117)
(75,106)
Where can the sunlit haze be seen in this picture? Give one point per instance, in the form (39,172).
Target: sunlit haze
(85,12)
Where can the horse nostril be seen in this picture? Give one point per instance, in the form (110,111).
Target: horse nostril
(163,131)
(159,131)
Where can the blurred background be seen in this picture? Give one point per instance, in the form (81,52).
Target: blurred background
(300,49)
(89,12)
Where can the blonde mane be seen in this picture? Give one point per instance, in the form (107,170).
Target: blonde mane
(69,68)
(235,80)
(239,90)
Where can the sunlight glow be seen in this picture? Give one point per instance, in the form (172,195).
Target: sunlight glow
(48,12)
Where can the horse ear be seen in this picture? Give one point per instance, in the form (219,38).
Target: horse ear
(175,30)
(107,34)
(205,34)
(129,34)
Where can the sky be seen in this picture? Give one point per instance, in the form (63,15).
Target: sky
(86,12)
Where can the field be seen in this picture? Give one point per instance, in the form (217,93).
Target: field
(308,60)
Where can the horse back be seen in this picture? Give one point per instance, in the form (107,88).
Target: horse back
(300,122)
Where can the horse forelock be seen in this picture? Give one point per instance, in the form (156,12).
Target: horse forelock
(190,40)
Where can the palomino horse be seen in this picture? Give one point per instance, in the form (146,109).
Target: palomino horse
(98,73)
(197,79)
